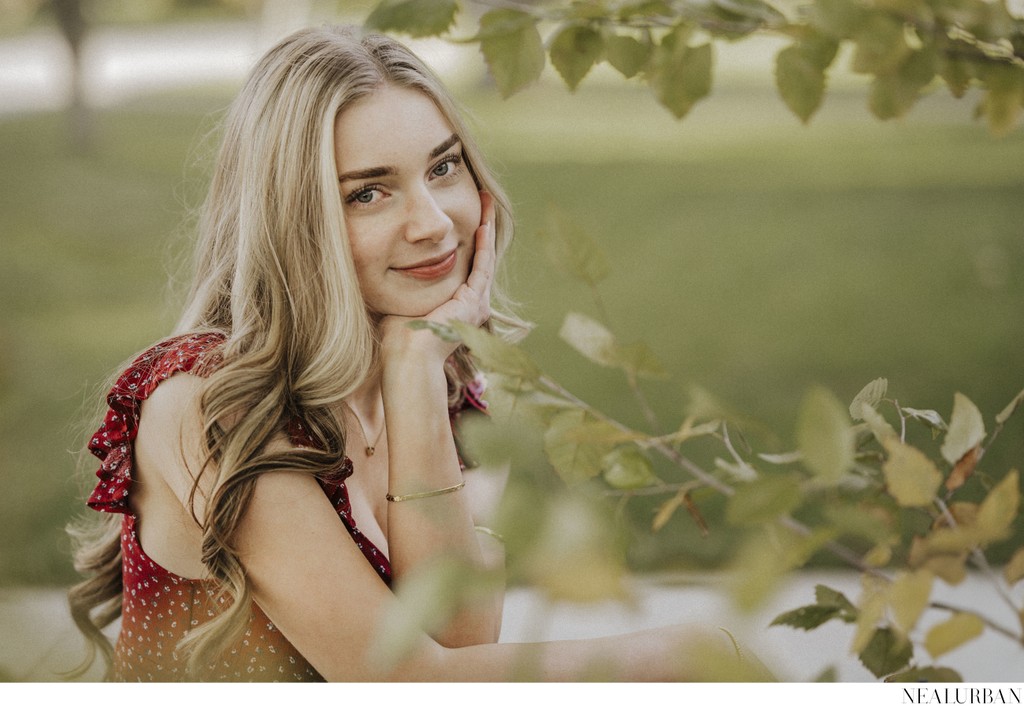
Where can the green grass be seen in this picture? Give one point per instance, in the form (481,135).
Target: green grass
(756,256)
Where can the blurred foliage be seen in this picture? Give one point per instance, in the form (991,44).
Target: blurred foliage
(907,515)
(904,45)
(901,508)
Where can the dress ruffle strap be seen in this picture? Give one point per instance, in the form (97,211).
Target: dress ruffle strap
(112,443)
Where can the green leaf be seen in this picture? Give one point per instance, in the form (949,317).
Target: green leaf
(879,426)
(807,617)
(825,436)
(911,478)
(946,636)
(574,50)
(926,674)
(590,338)
(1013,572)
(1003,103)
(576,556)
(628,468)
(872,395)
(444,332)
(573,460)
(886,653)
(513,49)
(893,94)
(572,249)
(966,429)
(627,54)
(430,596)
(930,418)
(496,354)
(957,74)
(838,18)
(757,10)
(828,597)
(682,73)
(1004,415)
(764,499)
(801,84)
(881,45)
(638,359)
(417,18)
(997,513)
(644,8)
(863,522)
(733,19)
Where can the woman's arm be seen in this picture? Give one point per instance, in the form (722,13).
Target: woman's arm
(316,586)
(421,452)
(423,458)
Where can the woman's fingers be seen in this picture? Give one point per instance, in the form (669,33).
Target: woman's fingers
(484,256)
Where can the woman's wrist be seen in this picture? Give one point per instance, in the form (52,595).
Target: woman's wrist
(403,345)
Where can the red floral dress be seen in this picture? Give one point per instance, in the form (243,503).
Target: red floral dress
(159,606)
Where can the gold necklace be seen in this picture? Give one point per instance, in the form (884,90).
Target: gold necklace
(370,448)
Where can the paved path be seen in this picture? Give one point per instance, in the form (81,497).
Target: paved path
(39,639)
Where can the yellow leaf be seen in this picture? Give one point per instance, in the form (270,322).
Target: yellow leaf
(957,630)
(911,477)
(997,512)
(1005,414)
(757,571)
(878,556)
(908,598)
(948,566)
(825,436)
(966,429)
(876,421)
(666,510)
(1014,570)
(871,610)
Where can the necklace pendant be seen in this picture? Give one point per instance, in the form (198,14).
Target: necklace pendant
(370,451)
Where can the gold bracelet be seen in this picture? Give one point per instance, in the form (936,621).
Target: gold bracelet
(490,532)
(424,495)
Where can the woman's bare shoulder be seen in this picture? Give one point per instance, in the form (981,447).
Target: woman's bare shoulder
(168,445)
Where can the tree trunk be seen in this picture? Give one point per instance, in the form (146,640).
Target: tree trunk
(73,27)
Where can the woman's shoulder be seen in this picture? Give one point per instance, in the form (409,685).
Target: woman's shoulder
(143,381)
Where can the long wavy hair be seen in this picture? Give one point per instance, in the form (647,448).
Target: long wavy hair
(274,275)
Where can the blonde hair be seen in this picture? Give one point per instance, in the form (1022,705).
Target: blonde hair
(275,276)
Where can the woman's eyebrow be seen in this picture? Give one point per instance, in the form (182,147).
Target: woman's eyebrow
(368,173)
(373,172)
(440,149)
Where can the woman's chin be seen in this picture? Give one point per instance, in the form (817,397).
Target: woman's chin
(424,302)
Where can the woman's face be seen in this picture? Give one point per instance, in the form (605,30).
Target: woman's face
(411,204)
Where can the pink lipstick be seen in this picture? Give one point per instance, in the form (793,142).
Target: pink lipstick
(432,268)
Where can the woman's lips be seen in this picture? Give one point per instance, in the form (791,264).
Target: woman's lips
(431,268)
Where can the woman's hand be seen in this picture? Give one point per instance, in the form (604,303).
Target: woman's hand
(470,303)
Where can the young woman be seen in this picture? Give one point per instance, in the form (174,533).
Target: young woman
(288,454)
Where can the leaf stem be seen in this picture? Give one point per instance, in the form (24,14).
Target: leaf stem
(842,552)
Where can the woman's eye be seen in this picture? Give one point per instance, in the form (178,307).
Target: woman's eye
(364,196)
(447,167)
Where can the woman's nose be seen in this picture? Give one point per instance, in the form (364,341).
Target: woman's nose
(426,220)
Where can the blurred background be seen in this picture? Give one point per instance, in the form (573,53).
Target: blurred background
(755,255)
